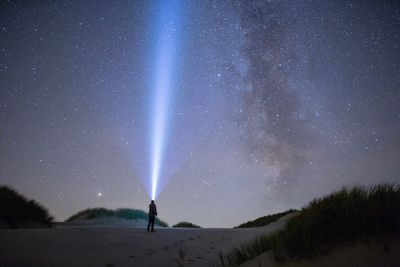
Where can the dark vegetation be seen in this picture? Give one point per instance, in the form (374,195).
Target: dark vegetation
(128,214)
(262,221)
(16,211)
(342,217)
(186,225)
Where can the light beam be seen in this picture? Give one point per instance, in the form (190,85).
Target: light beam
(166,50)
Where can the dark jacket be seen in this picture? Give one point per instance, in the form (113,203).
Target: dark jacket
(152,210)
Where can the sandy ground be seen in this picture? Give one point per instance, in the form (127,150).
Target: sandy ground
(378,253)
(122,246)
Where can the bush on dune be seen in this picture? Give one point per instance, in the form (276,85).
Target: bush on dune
(341,217)
(124,213)
(91,214)
(18,212)
(186,225)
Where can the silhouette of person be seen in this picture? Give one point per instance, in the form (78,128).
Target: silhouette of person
(152,216)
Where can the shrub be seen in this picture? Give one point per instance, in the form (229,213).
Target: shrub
(18,212)
(186,225)
(341,217)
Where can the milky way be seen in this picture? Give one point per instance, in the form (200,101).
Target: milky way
(276,103)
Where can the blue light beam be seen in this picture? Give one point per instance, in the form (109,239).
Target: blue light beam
(166,51)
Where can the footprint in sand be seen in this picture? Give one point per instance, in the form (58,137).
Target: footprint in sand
(150,253)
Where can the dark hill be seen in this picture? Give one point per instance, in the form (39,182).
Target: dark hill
(16,211)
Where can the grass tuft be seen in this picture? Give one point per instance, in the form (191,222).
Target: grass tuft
(181,258)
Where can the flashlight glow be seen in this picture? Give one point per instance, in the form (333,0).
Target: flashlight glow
(166,46)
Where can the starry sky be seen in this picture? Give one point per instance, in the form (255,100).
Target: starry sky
(273,103)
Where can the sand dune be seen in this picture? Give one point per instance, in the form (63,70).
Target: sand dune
(122,245)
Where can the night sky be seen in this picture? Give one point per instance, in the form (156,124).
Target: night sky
(273,103)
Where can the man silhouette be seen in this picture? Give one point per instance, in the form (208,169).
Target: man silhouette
(152,215)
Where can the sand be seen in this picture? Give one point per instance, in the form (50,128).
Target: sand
(374,253)
(107,245)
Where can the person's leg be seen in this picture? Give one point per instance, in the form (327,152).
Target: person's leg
(152,223)
(148,225)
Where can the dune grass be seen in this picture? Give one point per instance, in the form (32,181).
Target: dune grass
(19,212)
(341,217)
(262,221)
(123,213)
(186,225)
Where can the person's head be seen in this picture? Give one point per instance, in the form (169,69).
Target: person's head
(152,202)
